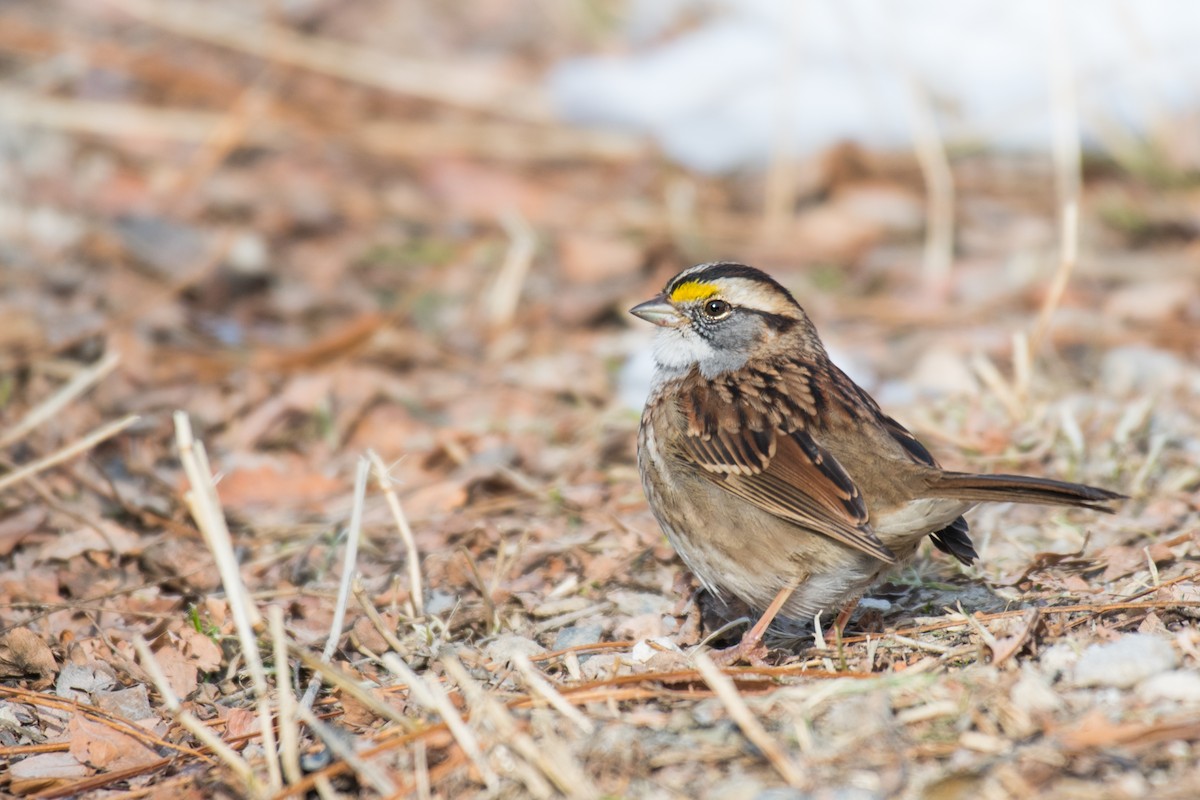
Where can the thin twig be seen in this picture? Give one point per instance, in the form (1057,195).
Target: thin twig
(289,737)
(349,686)
(353,536)
(727,693)
(431,695)
(416,590)
(205,507)
(548,756)
(68,452)
(510,278)
(49,408)
(364,602)
(477,87)
(194,726)
(364,770)
(543,688)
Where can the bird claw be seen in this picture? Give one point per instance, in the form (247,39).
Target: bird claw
(749,650)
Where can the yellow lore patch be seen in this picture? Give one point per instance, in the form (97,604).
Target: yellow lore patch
(692,290)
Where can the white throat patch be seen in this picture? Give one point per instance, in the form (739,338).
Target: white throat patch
(678,349)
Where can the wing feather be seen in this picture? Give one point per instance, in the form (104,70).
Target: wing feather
(791,476)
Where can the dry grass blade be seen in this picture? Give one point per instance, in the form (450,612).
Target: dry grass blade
(549,757)
(33,698)
(1062,275)
(431,695)
(415,588)
(353,536)
(289,736)
(544,689)
(497,140)
(194,726)
(364,602)
(366,772)
(205,507)
(1068,170)
(83,380)
(727,693)
(68,452)
(118,120)
(350,686)
(939,184)
(510,279)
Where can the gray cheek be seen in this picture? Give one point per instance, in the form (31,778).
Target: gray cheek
(733,342)
(721,362)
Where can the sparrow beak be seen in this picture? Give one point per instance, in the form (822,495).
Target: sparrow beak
(659,311)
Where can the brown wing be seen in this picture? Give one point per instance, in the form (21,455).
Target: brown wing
(788,475)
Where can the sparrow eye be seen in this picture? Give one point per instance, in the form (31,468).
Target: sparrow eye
(717,309)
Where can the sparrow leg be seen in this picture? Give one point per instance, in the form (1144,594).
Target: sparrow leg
(751,648)
(843,617)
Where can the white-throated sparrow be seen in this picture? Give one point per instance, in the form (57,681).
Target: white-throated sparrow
(775,476)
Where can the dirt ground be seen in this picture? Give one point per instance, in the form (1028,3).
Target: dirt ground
(279,233)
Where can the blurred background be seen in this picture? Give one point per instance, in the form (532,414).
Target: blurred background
(322,226)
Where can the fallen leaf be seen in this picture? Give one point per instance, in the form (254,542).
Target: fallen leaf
(104,747)
(179,669)
(203,651)
(24,654)
(277,484)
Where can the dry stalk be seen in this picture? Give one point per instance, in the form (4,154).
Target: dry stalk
(939,183)
(289,735)
(421,770)
(193,725)
(364,602)
(549,757)
(49,408)
(353,536)
(544,689)
(993,380)
(433,697)
(780,184)
(510,279)
(83,444)
(727,693)
(205,507)
(349,686)
(1068,170)
(416,590)
(365,771)
(119,120)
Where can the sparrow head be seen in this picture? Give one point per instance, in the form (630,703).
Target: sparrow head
(722,315)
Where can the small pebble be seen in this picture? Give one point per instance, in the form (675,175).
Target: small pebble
(503,648)
(576,635)
(1181,686)
(1125,662)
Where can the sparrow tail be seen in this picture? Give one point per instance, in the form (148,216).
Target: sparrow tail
(1021,489)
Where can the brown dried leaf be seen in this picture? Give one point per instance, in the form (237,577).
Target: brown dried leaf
(104,747)
(201,649)
(179,669)
(240,722)
(283,483)
(42,771)
(109,538)
(15,527)
(24,654)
